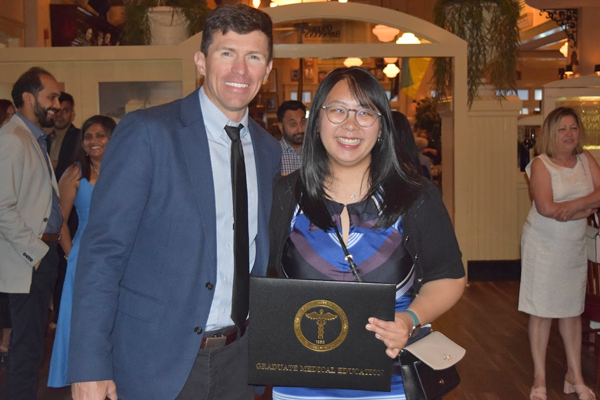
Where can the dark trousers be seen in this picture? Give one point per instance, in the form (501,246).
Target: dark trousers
(29,314)
(220,374)
(60,281)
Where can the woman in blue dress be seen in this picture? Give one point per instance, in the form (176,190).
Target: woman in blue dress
(357,181)
(75,189)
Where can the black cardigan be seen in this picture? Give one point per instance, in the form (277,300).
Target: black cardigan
(428,233)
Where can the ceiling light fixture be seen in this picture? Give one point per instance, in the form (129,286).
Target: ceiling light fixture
(408,38)
(391,70)
(385,33)
(353,62)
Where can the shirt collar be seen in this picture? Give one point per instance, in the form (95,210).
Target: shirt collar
(215,124)
(286,147)
(37,132)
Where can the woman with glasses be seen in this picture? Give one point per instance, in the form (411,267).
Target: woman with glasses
(392,221)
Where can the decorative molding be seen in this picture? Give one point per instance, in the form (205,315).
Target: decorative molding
(567,19)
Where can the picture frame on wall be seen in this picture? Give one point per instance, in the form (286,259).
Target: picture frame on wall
(270,85)
(295,75)
(271,102)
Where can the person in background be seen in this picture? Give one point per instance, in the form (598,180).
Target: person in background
(158,311)
(64,138)
(275,131)
(7,110)
(553,255)
(292,121)
(405,144)
(353,185)
(75,187)
(63,142)
(30,222)
(432,149)
(424,161)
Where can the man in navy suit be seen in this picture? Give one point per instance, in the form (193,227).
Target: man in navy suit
(155,270)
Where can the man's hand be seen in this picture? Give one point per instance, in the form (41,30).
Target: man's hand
(37,265)
(99,390)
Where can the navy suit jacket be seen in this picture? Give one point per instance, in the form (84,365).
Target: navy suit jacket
(147,263)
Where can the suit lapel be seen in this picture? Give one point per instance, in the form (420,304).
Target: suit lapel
(264,179)
(40,154)
(196,152)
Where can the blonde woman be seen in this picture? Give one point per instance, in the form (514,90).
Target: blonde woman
(553,257)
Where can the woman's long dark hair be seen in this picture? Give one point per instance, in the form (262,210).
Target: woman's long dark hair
(405,141)
(109,126)
(389,176)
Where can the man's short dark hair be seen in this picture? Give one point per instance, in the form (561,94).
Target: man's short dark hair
(292,105)
(239,18)
(29,82)
(66,97)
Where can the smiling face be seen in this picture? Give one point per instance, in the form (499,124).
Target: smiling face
(45,105)
(234,70)
(567,135)
(348,145)
(95,140)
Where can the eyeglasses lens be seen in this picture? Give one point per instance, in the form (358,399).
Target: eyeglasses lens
(364,117)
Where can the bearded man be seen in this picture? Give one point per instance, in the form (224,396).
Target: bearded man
(30,221)
(292,122)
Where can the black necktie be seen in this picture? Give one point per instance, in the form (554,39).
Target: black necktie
(241,251)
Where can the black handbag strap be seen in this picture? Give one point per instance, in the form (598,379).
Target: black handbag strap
(349,259)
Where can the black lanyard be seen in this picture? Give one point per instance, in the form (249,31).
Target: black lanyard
(348,257)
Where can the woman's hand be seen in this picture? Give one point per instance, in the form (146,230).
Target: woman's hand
(566,210)
(572,210)
(394,334)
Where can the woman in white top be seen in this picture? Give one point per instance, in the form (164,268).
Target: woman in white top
(553,257)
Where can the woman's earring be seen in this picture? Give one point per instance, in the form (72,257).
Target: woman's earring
(379,140)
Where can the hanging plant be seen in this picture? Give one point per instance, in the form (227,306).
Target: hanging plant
(137,27)
(491,31)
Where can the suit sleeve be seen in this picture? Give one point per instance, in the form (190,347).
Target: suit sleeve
(117,207)
(12,225)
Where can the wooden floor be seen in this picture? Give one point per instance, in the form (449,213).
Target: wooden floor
(486,322)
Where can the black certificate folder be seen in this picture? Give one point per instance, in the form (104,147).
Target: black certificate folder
(312,333)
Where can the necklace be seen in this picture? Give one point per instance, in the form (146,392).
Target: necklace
(95,169)
(354,196)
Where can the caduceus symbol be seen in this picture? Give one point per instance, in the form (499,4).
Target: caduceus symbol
(321,319)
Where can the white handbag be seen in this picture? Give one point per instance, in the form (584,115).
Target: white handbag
(592,241)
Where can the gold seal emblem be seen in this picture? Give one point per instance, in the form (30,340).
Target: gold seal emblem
(321,325)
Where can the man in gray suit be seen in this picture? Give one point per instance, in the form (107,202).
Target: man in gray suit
(30,221)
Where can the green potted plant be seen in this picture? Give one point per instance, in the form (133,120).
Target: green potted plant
(138,15)
(491,31)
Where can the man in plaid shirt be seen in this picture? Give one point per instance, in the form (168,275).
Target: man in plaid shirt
(292,121)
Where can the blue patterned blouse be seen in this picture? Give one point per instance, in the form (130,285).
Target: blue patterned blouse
(311,253)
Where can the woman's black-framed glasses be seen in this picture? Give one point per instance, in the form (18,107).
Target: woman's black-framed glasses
(337,114)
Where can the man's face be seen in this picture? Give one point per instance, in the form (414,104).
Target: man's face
(45,104)
(234,70)
(292,127)
(64,116)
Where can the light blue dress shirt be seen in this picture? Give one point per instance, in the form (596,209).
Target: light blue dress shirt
(220,158)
